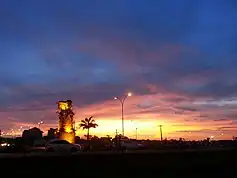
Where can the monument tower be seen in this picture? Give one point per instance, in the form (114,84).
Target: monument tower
(66,129)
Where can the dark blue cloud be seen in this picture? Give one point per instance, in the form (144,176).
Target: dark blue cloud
(158,42)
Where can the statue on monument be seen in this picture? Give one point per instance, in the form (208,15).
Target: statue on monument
(66,121)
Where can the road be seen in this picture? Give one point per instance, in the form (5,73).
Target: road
(146,163)
(45,154)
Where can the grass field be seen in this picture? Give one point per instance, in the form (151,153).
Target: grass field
(154,164)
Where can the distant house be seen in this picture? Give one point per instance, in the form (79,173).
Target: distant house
(31,135)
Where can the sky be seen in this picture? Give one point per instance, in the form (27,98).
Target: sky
(178,58)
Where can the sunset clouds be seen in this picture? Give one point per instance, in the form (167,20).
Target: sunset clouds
(178,59)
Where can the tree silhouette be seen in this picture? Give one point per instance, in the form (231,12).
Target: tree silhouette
(88,123)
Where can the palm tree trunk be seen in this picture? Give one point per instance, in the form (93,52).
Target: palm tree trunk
(88,133)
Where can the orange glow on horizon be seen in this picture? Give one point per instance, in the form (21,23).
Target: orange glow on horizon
(147,119)
(146,113)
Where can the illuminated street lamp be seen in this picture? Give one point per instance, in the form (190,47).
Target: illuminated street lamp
(39,123)
(122,104)
(20,129)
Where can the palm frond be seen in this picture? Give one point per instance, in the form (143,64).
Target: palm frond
(83,121)
(82,125)
(88,123)
(92,121)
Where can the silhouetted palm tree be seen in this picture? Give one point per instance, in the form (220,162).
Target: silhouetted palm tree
(88,123)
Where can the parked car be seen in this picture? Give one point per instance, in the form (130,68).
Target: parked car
(39,143)
(127,144)
(86,147)
(131,145)
(62,146)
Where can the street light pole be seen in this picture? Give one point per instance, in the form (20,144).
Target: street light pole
(122,104)
(122,109)
(136,133)
(161,136)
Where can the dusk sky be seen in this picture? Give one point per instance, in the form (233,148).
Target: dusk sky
(178,58)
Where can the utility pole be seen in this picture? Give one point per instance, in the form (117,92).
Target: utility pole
(117,141)
(136,133)
(161,136)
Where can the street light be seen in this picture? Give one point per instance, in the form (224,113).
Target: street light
(39,123)
(122,104)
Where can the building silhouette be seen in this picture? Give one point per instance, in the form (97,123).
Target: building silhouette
(31,135)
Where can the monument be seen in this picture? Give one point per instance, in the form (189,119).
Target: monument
(66,129)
